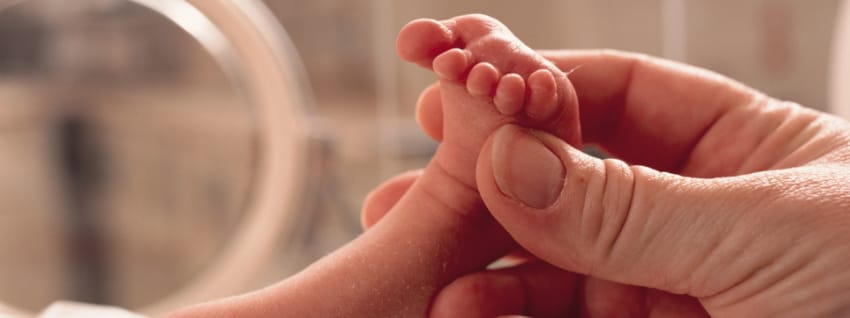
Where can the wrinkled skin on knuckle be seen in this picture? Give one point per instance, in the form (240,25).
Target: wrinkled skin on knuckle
(607,204)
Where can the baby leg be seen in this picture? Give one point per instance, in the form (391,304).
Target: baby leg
(439,230)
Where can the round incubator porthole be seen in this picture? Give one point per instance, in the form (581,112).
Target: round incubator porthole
(151,151)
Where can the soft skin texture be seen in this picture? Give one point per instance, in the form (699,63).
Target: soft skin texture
(749,218)
(439,229)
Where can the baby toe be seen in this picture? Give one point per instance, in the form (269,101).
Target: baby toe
(452,64)
(542,94)
(482,80)
(510,94)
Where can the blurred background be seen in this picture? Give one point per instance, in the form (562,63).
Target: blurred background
(128,154)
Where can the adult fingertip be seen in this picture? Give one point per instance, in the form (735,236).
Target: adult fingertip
(532,198)
(525,169)
(483,294)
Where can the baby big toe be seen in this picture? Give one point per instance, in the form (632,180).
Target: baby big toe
(420,41)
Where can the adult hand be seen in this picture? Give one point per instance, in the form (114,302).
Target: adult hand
(722,201)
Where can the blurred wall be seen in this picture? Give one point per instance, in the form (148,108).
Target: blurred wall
(780,46)
(367,94)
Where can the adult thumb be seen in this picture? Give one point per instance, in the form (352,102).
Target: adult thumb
(606,219)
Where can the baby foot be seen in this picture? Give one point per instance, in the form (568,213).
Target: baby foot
(439,229)
(488,78)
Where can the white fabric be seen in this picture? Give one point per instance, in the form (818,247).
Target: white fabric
(68,309)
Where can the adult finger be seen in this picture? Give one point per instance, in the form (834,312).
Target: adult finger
(602,298)
(666,115)
(537,289)
(638,226)
(385,196)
